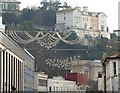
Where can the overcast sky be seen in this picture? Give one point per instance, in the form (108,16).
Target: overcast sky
(109,7)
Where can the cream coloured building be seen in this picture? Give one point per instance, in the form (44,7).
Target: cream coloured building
(40,81)
(89,67)
(111,69)
(89,20)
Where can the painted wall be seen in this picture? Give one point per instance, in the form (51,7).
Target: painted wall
(59,84)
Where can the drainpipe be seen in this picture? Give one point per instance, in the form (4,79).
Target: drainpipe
(105,80)
(104,67)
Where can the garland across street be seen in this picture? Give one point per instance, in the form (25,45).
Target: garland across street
(46,39)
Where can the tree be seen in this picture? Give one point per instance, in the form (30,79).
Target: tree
(27,14)
(26,25)
(9,18)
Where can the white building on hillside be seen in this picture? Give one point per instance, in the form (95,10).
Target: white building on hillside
(102,20)
(10,6)
(95,23)
(68,18)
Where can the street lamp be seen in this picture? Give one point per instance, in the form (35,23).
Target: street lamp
(104,69)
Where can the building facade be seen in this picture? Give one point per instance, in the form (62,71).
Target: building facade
(28,72)
(79,78)
(102,20)
(15,68)
(59,84)
(2,27)
(40,81)
(111,75)
(89,20)
(11,65)
(68,18)
(88,67)
(95,23)
(10,6)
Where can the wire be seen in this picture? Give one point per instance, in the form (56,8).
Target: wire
(54,49)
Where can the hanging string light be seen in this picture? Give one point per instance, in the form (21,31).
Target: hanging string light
(62,63)
(47,39)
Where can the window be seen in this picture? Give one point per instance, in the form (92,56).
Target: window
(42,82)
(91,20)
(53,88)
(102,28)
(114,68)
(56,88)
(77,24)
(3,6)
(102,22)
(83,18)
(64,18)
(99,75)
(87,19)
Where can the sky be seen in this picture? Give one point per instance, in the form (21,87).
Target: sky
(109,7)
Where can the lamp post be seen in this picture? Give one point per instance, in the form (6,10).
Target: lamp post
(104,69)
(0,71)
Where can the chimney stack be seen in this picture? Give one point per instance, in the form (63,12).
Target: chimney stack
(85,9)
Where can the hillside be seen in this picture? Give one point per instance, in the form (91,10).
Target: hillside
(43,18)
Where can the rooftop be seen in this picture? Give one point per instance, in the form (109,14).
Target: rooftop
(10,1)
(115,55)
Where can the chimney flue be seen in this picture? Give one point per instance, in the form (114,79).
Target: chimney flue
(85,9)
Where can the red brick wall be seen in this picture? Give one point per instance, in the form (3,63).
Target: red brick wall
(80,78)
